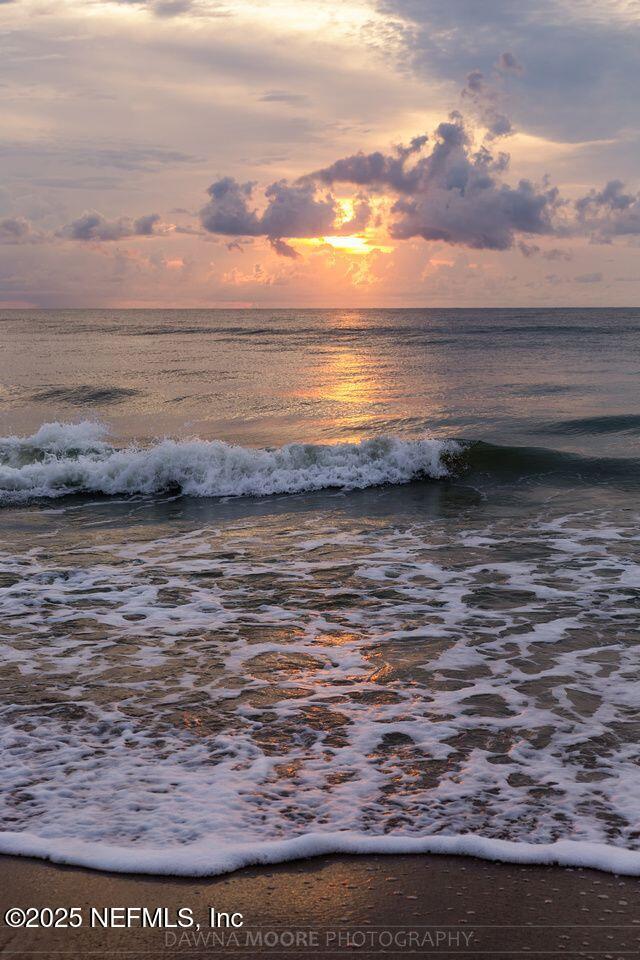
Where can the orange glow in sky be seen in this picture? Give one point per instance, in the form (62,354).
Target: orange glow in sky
(348,244)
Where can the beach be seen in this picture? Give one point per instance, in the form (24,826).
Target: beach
(338,906)
(319,479)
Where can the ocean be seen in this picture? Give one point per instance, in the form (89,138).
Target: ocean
(283,582)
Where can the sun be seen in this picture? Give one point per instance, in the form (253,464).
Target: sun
(354,245)
(367,241)
(348,244)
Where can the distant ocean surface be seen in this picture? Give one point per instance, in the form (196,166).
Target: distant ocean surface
(275,583)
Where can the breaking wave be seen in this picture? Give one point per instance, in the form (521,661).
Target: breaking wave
(62,459)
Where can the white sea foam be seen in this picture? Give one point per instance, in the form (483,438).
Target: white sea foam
(63,458)
(194,700)
(214,856)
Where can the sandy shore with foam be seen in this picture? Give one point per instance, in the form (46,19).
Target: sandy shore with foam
(395,906)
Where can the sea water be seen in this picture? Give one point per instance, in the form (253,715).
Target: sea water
(277,583)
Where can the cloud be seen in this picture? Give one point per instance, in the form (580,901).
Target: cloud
(164,9)
(17,230)
(283,96)
(529,250)
(442,188)
(292,210)
(484,99)
(609,212)
(227,211)
(284,249)
(94,226)
(377,170)
(589,277)
(126,157)
(171,8)
(507,63)
(446,187)
(582,64)
(455,193)
(144,226)
(259,277)
(239,245)
(161,8)
(77,183)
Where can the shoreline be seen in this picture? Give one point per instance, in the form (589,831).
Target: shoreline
(373,905)
(210,859)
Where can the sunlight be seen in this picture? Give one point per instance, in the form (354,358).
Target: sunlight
(349,244)
(346,210)
(356,244)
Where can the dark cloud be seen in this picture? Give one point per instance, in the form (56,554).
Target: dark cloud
(171,8)
(378,170)
(611,197)
(609,212)
(187,231)
(528,249)
(125,157)
(292,210)
(162,8)
(453,194)
(534,250)
(284,249)
(484,100)
(555,253)
(17,230)
(94,226)
(228,212)
(175,8)
(239,245)
(415,145)
(444,189)
(283,96)
(77,183)
(507,63)
(145,159)
(143,226)
(589,277)
(582,64)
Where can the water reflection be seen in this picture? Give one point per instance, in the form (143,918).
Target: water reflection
(268,377)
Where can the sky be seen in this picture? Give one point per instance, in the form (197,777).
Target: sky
(309,153)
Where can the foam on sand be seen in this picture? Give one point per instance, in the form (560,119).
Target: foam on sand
(214,857)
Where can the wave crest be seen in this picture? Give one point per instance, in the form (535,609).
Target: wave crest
(62,459)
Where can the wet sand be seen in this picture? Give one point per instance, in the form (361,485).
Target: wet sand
(393,906)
